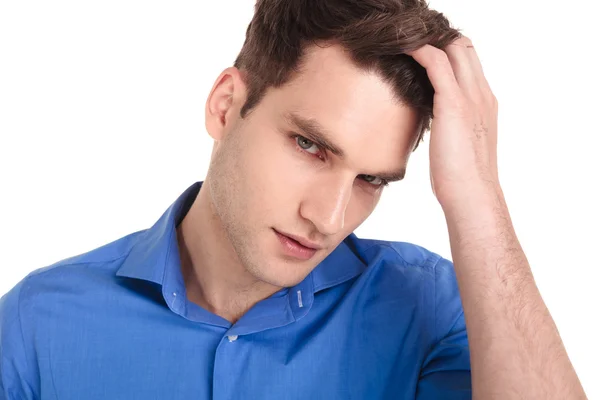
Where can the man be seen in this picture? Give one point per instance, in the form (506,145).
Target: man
(252,284)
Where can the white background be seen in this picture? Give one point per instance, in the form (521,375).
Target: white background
(102,127)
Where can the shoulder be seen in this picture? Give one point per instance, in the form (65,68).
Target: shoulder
(412,273)
(43,294)
(410,266)
(67,275)
(398,255)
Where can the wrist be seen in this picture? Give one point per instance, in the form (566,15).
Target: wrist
(475,207)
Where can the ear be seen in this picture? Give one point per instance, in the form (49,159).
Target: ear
(224,102)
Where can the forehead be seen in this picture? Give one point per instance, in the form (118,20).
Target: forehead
(357,107)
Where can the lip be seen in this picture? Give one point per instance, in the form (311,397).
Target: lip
(294,249)
(302,241)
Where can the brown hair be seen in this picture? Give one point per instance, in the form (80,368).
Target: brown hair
(376,33)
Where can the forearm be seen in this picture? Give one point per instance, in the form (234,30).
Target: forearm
(516,351)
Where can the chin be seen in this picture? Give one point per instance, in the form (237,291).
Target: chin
(276,269)
(276,277)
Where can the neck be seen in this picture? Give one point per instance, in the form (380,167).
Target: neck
(214,277)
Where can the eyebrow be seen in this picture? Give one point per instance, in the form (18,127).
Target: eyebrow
(315,132)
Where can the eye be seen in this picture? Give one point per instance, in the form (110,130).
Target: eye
(371,179)
(305,144)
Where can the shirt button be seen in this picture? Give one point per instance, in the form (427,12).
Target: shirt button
(232,338)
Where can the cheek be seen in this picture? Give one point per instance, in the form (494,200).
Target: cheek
(358,210)
(360,207)
(285,167)
(270,179)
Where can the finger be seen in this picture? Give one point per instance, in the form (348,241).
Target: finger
(439,70)
(475,62)
(485,92)
(465,73)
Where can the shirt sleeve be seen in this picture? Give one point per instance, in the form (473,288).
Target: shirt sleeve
(446,372)
(14,379)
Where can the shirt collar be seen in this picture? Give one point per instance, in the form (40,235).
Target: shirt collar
(155,253)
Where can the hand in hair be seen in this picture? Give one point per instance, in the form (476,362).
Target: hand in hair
(515,349)
(463,155)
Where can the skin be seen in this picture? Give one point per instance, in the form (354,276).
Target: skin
(516,350)
(260,178)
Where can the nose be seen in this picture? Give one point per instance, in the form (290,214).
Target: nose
(325,206)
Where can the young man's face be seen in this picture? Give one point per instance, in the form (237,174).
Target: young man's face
(262,179)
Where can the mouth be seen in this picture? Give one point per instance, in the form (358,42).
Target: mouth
(294,248)
(301,240)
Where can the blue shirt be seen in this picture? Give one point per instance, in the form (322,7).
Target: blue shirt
(374,320)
